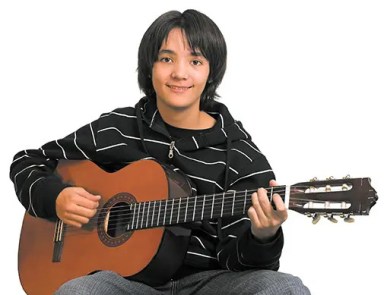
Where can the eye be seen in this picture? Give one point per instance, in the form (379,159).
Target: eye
(165,59)
(196,62)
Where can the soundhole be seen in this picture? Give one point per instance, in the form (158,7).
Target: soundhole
(118,219)
(114,219)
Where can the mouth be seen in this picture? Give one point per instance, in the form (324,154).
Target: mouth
(179,89)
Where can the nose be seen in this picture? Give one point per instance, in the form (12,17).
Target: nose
(180,71)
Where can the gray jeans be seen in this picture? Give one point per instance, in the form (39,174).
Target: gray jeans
(262,282)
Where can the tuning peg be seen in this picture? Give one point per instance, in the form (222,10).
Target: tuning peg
(313,179)
(347,176)
(349,219)
(330,178)
(332,219)
(315,218)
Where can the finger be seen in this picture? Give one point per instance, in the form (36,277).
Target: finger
(260,203)
(85,194)
(273,182)
(253,216)
(73,223)
(281,210)
(87,200)
(75,219)
(84,212)
(86,203)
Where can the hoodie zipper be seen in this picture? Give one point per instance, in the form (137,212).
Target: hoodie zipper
(171,147)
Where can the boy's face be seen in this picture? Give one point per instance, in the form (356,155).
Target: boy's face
(179,74)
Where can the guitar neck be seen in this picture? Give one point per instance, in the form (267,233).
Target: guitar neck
(183,210)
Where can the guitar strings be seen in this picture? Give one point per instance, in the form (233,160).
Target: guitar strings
(165,212)
(125,216)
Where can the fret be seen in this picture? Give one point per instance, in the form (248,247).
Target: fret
(158,214)
(245,201)
(149,208)
(142,216)
(271,194)
(138,216)
(233,202)
(133,217)
(178,211)
(165,211)
(213,204)
(222,205)
(199,205)
(202,210)
(130,227)
(208,206)
(129,215)
(153,212)
(181,215)
(194,209)
(170,218)
(186,210)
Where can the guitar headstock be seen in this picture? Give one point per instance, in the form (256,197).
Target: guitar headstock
(333,197)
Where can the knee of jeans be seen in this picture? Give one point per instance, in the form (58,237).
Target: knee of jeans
(75,287)
(295,286)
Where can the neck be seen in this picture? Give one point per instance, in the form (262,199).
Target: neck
(187,118)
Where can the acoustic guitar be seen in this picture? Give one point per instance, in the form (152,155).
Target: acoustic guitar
(137,230)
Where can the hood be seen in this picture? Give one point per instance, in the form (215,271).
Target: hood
(226,130)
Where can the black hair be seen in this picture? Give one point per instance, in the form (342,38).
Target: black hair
(202,34)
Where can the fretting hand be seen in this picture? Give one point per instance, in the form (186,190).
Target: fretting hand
(265,220)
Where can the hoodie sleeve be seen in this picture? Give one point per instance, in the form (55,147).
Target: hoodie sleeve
(32,171)
(238,249)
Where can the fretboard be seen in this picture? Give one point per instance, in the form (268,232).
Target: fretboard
(183,210)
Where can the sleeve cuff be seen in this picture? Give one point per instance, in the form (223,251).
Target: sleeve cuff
(46,193)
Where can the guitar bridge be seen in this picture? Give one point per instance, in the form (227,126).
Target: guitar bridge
(58,241)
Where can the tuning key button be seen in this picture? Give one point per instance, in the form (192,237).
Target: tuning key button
(349,219)
(315,218)
(332,219)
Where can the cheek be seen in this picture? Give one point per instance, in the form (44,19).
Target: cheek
(156,78)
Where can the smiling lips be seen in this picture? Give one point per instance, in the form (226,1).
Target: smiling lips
(179,89)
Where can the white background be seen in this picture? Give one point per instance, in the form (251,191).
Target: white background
(306,78)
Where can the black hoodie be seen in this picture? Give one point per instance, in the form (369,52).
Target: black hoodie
(219,159)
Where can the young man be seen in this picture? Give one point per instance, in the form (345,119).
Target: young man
(182,60)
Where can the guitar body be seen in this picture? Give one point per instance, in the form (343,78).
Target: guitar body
(51,253)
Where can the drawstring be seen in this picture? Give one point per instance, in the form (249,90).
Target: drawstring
(226,184)
(140,126)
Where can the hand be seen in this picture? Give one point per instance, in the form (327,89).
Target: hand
(265,220)
(75,206)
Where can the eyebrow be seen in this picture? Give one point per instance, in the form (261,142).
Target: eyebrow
(168,51)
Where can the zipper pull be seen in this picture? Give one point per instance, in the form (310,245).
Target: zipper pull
(171,147)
